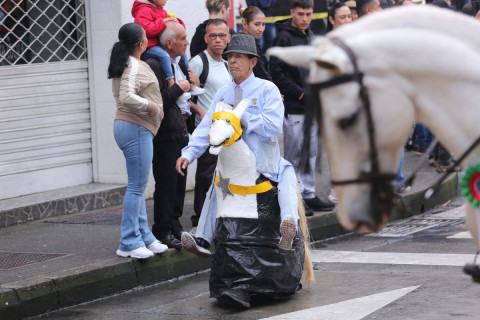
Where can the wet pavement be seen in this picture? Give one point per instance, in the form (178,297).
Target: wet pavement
(411,270)
(67,260)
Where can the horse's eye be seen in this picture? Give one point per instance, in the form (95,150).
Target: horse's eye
(345,123)
(228,121)
(213,120)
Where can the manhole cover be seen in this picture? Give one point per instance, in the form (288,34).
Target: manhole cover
(11,260)
(408,227)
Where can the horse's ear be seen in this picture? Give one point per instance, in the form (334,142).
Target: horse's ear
(322,51)
(240,108)
(330,56)
(219,106)
(299,56)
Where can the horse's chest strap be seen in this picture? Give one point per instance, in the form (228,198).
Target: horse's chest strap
(243,190)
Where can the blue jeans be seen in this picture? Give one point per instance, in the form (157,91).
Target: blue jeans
(159,53)
(423,135)
(400,179)
(136,143)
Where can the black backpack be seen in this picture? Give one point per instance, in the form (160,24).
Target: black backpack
(203,79)
(204,75)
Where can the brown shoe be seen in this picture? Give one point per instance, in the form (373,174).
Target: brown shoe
(196,245)
(288,231)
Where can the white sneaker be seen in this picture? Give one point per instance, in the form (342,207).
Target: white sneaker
(197,91)
(157,247)
(139,253)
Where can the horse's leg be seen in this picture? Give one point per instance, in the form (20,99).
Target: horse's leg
(473,226)
(472,223)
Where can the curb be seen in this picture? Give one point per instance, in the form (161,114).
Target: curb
(89,198)
(107,277)
(326,225)
(113,275)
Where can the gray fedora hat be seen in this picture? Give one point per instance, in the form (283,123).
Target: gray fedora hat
(242,43)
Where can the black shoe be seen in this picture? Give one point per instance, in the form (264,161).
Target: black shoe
(308,210)
(171,241)
(318,205)
(235,298)
(199,246)
(178,235)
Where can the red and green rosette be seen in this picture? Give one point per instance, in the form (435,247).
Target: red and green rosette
(470,185)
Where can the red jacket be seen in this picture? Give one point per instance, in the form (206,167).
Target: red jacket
(150,18)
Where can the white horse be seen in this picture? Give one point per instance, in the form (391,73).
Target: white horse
(417,64)
(236,167)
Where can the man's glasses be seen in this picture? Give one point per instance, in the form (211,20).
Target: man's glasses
(214,36)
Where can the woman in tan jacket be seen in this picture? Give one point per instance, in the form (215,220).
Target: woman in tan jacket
(139,114)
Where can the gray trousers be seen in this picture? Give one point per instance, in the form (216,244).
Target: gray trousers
(292,147)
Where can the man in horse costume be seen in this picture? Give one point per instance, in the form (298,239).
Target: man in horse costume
(252,222)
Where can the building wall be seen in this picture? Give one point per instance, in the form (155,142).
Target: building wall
(104,18)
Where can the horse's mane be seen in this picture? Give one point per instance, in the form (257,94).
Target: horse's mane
(443,21)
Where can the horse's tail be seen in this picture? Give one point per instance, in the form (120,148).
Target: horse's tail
(308,275)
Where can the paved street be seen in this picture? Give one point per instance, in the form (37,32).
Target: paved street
(410,270)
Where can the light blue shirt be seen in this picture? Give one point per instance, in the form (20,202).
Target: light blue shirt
(262,122)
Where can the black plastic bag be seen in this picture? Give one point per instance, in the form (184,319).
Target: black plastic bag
(247,256)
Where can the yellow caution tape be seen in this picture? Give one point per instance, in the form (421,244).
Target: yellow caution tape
(315,16)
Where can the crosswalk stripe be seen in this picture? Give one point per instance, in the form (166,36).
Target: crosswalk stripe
(461,235)
(431,259)
(354,309)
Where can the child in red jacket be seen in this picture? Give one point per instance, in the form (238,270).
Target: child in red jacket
(152,16)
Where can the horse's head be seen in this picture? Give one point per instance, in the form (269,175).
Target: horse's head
(225,128)
(363,185)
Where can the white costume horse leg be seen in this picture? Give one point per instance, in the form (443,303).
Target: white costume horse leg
(287,194)
(208,217)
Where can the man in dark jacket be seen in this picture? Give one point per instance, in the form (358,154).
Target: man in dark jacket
(216,9)
(291,82)
(172,136)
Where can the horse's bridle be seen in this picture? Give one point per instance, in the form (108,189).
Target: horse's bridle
(382,192)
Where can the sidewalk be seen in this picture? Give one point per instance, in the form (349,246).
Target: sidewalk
(65,260)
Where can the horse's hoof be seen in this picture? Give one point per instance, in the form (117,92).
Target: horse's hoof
(473,270)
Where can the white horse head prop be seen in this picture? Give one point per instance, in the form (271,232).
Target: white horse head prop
(385,72)
(225,128)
